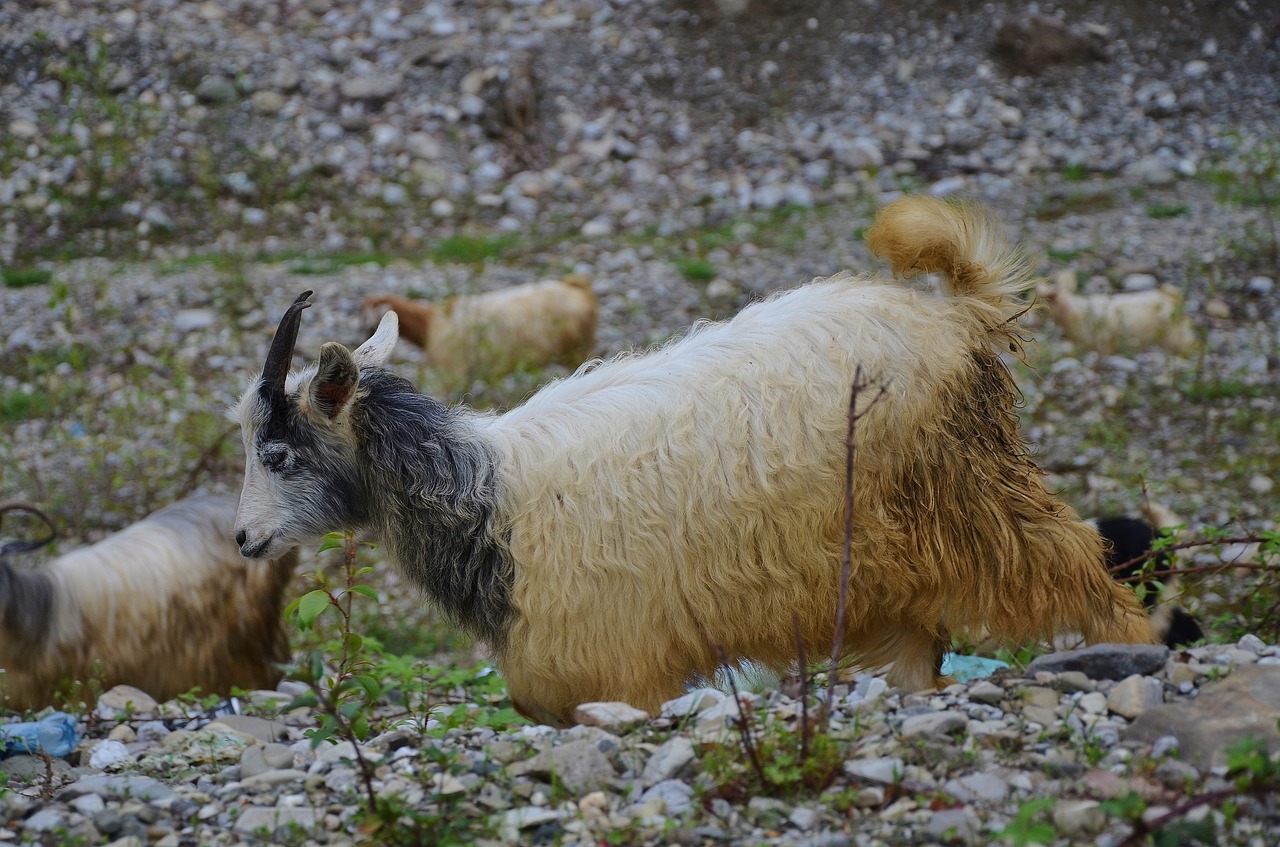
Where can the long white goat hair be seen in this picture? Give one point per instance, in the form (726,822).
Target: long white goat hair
(611,535)
(164,605)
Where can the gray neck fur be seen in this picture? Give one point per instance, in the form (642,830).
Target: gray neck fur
(432,482)
(26,605)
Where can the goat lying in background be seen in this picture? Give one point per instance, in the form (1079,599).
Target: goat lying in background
(607,535)
(1110,323)
(491,334)
(164,605)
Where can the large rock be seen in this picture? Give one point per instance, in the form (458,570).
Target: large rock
(611,717)
(1104,661)
(1247,703)
(1134,695)
(142,788)
(580,766)
(271,818)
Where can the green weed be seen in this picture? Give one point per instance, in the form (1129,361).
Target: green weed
(472,250)
(24,277)
(1029,826)
(19,405)
(1161,211)
(696,269)
(1075,172)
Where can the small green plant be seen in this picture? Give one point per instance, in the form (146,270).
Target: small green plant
(343,695)
(24,277)
(335,262)
(1075,172)
(1160,211)
(696,269)
(1029,827)
(781,761)
(470,249)
(1254,773)
(19,405)
(358,691)
(1062,257)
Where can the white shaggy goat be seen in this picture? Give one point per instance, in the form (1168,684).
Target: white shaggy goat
(1111,323)
(164,605)
(490,334)
(604,536)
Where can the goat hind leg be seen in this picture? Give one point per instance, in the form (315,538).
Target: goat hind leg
(917,660)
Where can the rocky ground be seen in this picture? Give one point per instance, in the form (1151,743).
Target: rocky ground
(173,173)
(1077,750)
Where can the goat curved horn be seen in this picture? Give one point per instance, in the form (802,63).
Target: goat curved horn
(281,352)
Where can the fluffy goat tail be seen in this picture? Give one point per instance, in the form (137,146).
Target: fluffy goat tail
(965,244)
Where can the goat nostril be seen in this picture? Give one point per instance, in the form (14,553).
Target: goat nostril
(240,537)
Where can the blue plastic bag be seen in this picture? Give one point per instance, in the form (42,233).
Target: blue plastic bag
(56,734)
(969,668)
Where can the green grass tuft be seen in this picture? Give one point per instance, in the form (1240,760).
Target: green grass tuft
(21,405)
(469,249)
(696,269)
(1076,172)
(1159,211)
(25,277)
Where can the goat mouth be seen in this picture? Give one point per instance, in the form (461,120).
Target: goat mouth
(258,550)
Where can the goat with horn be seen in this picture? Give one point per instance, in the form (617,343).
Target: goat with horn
(606,537)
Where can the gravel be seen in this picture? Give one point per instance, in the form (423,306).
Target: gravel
(180,170)
(902,775)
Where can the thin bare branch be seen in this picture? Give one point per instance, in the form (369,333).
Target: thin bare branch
(804,688)
(860,384)
(1187,545)
(745,729)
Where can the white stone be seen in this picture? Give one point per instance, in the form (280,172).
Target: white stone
(1076,818)
(1093,703)
(423,146)
(614,716)
(193,320)
(596,227)
(1252,643)
(803,817)
(1260,285)
(1133,695)
(935,724)
(88,805)
(106,754)
(125,699)
(394,194)
(1139,282)
(692,703)
(887,769)
(23,129)
(668,759)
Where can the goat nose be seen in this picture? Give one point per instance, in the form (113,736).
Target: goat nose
(241,535)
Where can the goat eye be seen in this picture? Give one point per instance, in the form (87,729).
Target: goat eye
(275,459)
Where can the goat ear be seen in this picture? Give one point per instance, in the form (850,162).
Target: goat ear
(334,384)
(376,351)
